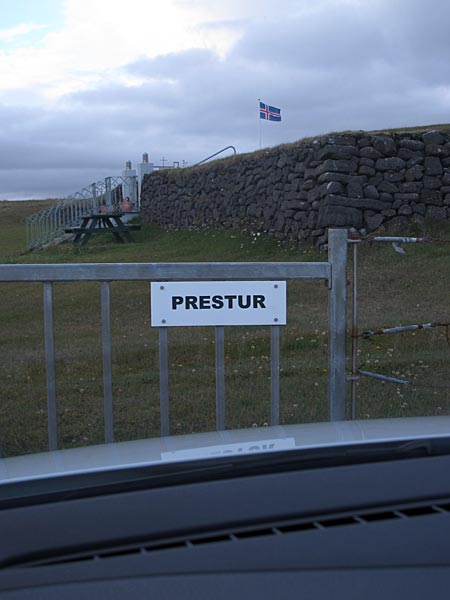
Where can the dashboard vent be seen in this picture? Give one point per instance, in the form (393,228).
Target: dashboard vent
(366,517)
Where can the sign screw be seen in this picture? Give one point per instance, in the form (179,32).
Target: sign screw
(161,287)
(276,320)
(275,286)
(163,320)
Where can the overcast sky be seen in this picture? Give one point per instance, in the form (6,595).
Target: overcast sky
(86,85)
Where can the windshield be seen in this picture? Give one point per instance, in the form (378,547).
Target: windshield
(204,300)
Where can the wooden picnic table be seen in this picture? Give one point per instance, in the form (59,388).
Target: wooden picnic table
(103,223)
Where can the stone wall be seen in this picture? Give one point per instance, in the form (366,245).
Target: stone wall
(295,192)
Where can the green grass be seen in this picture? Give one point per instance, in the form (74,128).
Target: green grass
(12,224)
(394,290)
(226,161)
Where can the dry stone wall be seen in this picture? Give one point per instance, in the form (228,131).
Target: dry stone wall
(296,192)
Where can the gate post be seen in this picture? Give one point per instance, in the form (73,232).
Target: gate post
(337,324)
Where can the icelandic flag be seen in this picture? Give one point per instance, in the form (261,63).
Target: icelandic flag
(269,113)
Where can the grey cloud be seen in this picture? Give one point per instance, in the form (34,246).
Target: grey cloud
(312,41)
(228,24)
(172,65)
(46,183)
(334,66)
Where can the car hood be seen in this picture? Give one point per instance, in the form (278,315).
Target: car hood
(158,451)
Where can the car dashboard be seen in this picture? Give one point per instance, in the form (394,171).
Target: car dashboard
(377,528)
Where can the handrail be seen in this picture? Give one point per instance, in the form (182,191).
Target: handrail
(333,270)
(215,154)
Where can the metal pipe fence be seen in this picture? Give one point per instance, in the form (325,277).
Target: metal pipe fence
(49,224)
(332,271)
(356,372)
(215,154)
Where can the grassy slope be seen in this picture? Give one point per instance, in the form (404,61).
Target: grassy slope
(395,289)
(227,160)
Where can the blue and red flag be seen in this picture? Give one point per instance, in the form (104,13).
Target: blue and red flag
(269,113)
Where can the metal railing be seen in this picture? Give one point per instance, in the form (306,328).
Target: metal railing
(49,224)
(356,372)
(333,271)
(216,154)
(110,191)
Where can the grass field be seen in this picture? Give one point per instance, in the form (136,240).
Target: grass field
(395,289)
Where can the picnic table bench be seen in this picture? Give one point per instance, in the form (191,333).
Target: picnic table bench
(103,223)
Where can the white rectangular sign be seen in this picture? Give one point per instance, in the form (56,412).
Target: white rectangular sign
(190,303)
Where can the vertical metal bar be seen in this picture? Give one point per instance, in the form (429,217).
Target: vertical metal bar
(164,379)
(108,198)
(355,339)
(94,198)
(50,366)
(337,324)
(138,195)
(107,365)
(275,375)
(220,378)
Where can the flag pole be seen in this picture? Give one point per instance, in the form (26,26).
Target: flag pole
(259,118)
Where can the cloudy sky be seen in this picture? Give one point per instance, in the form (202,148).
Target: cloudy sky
(87,84)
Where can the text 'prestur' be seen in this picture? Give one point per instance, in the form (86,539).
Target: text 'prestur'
(218,302)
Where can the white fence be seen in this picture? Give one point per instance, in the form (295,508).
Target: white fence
(49,224)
